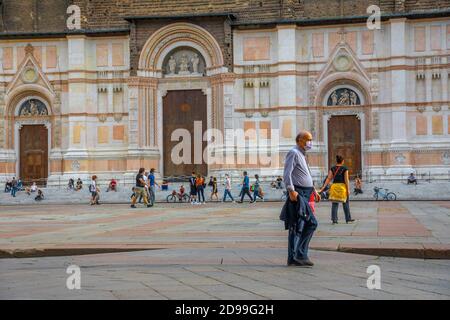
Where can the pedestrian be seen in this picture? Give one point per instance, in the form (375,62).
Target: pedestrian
(257,189)
(227,190)
(40,195)
(200,186)
(279,182)
(71,184)
(358,186)
(412,179)
(298,210)
(339,190)
(139,189)
(246,188)
(94,190)
(13,187)
(214,189)
(152,184)
(79,185)
(193,188)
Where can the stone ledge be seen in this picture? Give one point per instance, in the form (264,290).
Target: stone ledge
(417,251)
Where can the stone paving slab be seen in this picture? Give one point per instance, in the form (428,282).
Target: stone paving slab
(81,229)
(223,274)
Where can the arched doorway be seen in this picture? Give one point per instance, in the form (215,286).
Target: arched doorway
(344,130)
(32,140)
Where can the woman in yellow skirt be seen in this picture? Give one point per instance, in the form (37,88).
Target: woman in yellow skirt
(339,191)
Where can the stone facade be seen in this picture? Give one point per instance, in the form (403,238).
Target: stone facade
(285,65)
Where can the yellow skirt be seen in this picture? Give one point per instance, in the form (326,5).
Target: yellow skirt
(338,192)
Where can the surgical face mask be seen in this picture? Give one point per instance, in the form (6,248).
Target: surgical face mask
(308,145)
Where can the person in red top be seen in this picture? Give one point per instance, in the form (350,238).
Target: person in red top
(112,185)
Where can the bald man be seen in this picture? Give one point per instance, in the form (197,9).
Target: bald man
(299,184)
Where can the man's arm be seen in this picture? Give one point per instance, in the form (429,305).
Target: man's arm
(288,169)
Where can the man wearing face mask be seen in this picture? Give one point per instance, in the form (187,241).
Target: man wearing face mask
(297,211)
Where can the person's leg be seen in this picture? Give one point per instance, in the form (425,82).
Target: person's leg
(231,197)
(348,216)
(255,194)
(224,195)
(334,211)
(242,195)
(291,244)
(250,195)
(305,238)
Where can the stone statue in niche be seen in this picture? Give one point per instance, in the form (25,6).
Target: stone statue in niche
(353,98)
(184,65)
(172,65)
(334,98)
(343,97)
(33,107)
(184,62)
(195,61)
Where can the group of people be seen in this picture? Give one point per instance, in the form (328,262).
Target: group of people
(15,185)
(197,187)
(145,188)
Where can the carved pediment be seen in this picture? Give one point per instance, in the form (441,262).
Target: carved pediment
(29,72)
(343,59)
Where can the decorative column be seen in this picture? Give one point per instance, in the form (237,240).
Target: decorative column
(398,81)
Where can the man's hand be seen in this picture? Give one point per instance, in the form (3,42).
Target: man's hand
(317,196)
(293,195)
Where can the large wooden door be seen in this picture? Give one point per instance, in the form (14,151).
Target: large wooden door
(180,109)
(344,138)
(34,154)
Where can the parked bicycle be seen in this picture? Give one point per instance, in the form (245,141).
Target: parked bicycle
(385,195)
(177,197)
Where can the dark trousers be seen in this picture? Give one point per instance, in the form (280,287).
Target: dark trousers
(334,211)
(200,192)
(246,191)
(299,238)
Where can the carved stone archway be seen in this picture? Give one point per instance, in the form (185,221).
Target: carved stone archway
(146,91)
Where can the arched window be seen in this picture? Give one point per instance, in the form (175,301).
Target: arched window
(343,97)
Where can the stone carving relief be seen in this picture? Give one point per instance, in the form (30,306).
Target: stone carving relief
(446,158)
(400,159)
(33,107)
(184,62)
(343,97)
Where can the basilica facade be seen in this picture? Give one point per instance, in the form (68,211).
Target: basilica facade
(106,98)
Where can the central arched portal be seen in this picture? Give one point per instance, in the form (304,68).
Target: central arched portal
(181,79)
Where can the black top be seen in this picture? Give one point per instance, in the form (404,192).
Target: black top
(340,175)
(138,180)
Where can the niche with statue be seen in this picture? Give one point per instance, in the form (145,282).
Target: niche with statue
(184,62)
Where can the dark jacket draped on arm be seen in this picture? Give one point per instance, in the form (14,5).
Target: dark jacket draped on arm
(295,213)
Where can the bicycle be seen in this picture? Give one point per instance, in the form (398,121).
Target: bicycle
(175,197)
(384,195)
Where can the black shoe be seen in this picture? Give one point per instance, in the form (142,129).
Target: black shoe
(334,222)
(303,262)
(133,206)
(350,221)
(149,205)
(297,264)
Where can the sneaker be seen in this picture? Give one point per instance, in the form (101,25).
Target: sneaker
(350,221)
(133,206)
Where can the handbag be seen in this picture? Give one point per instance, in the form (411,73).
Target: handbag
(338,191)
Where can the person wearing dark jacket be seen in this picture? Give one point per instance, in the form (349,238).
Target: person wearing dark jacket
(297,212)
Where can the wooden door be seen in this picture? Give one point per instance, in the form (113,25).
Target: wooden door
(34,154)
(180,109)
(344,138)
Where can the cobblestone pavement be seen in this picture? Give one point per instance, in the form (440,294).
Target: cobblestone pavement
(219,251)
(222,274)
(408,229)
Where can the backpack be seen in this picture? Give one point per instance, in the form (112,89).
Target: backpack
(92,188)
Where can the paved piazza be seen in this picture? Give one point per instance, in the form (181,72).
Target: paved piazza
(221,251)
